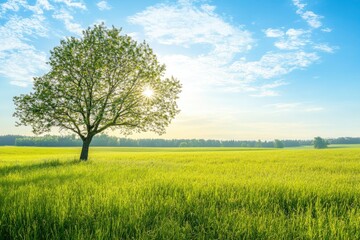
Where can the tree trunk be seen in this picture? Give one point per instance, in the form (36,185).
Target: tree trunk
(85,149)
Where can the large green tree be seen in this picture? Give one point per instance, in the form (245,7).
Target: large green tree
(320,143)
(278,143)
(103,80)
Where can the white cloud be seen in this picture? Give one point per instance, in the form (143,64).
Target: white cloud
(186,25)
(293,39)
(103,5)
(222,65)
(135,36)
(326,30)
(20,27)
(299,5)
(72,4)
(295,33)
(294,107)
(15,5)
(205,73)
(324,48)
(272,65)
(300,39)
(45,4)
(39,7)
(20,66)
(312,19)
(274,33)
(67,18)
(19,60)
(208,8)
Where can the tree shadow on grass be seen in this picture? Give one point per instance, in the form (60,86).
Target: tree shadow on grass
(28,168)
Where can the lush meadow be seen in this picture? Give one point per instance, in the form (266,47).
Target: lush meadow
(152,193)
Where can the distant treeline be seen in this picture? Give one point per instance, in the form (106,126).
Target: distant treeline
(104,140)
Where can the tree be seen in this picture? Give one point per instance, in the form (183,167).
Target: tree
(183,144)
(320,143)
(258,144)
(101,81)
(278,144)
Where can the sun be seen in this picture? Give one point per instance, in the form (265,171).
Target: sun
(148,92)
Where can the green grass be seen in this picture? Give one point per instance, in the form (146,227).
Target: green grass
(173,193)
(344,146)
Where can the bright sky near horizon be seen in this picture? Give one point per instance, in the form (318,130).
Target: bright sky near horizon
(287,69)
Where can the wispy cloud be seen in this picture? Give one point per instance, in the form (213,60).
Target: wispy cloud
(15,32)
(313,19)
(185,24)
(273,65)
(223,63)
(268,90)
(326,30)
(16,5)
(73,4)
(293,39)
(213,50)
(11,5)
(274,33)
(20,60)
(324,47)
(19,66)
(300,39)
(103,5)
(68,20)
(188,24)
(44,4)
(294,107)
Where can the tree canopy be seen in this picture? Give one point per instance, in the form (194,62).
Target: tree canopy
(278,144)
(101,81)
(320,143)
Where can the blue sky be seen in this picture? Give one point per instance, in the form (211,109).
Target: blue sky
(250,69)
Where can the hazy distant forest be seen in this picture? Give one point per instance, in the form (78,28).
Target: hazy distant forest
(105,140)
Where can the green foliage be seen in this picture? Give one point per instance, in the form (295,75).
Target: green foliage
(96,83)
(183,144)
(278,144)
(259,144)
(8,140)
(175,193)
(104,140)
(320,143)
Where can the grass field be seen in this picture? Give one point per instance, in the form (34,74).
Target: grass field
(156,193)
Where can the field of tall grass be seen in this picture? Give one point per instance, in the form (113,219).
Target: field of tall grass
(157,193)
